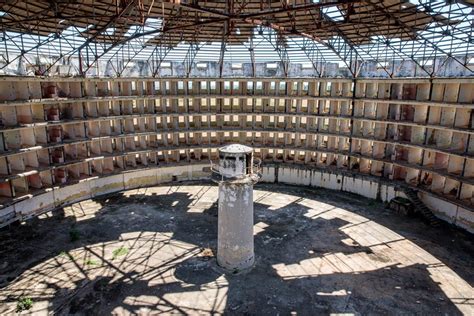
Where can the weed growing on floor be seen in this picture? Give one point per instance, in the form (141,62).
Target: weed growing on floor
(24,304)
(66,254)
(91,262)
(74,235)
(122,251)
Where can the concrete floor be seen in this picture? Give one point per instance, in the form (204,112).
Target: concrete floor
(152,250)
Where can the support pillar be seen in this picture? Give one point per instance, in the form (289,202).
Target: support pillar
(236,177)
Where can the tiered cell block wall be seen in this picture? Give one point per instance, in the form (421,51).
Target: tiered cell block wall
(59,134)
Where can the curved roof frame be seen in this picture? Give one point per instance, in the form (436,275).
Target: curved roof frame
(450,35)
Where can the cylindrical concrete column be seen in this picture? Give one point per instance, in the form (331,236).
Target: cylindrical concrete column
(236,177)
(235,248)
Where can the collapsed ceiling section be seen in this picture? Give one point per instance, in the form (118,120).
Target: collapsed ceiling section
(346,30)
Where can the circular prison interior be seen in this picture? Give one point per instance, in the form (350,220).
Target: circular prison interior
(318,251)
(239,156)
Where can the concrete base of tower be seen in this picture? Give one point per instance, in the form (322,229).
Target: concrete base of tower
(235,242)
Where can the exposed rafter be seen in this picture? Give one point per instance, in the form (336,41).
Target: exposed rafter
(347,30)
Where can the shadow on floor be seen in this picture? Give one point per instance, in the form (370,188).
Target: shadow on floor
(297,267)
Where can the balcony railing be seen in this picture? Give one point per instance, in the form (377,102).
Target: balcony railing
(253,173)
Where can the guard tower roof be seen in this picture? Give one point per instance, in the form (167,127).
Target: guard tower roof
(235,149)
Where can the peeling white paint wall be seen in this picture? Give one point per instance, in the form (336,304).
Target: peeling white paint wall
(90,188)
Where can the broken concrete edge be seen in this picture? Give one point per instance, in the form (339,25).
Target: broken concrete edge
(367,186)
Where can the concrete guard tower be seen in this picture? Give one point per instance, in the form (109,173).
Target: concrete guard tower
(236,174)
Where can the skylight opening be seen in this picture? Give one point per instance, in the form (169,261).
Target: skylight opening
(110,31)
(333,13)
(428,63)
(382,65)
(453,40)
(153,23)
(132,30)
(453,10)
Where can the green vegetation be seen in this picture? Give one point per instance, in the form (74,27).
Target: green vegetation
(66,254)
(91,262)
(23,304)
(119,252)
